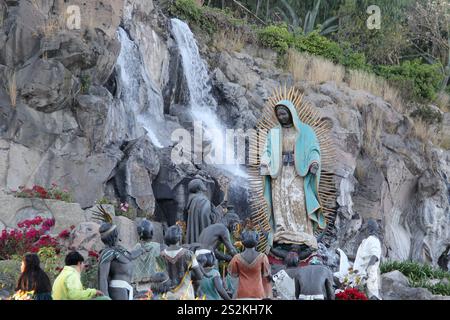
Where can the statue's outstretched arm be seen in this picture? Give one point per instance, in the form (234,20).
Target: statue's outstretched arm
(134,254)
(226,239)
(222,256)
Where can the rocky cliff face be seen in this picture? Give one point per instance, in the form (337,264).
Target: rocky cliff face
(93,110)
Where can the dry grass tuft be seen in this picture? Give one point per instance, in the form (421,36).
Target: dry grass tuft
(51,27)
(421,130)
(443,102)
(311,68)
(229,40)
(303,66)
(361,80)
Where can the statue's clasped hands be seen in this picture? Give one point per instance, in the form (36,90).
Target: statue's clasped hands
(314,168)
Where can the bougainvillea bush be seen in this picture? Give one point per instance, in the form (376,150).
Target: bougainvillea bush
(30,236)
(351,294)
(54,192)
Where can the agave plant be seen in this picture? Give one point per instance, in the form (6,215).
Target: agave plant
(289,15)
(329,26)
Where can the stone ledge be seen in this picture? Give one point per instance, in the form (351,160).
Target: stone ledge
(16,209)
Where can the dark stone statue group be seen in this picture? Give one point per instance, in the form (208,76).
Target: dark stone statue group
(208,265)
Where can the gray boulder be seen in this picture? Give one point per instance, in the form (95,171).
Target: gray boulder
(46,85)
(395,286)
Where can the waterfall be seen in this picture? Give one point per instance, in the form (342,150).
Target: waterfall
(202,104)
(138,92)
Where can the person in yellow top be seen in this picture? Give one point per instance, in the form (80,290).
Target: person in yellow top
(68,286)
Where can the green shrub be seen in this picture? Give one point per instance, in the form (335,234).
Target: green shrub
(315,44)
(414,270)
(424,78)
(277,38)
(419,275)
(51,261)
(352,59)
(439,288)
(9,274)
(189,10)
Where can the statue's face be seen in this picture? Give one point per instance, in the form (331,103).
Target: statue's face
(284,116)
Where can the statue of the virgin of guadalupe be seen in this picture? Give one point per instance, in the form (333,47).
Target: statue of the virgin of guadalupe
(290,166)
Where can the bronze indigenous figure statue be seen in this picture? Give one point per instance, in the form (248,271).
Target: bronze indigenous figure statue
(211,285)
(180,262)
(115,265)
(367,260)
(312,282)
(199,209)
(149,263)
(220,233)
(252,268)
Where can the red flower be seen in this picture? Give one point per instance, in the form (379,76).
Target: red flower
(36,221)
(93,254)
(34,249)
(41,191)
(351,294)
(64,234)
(49,223)
(31,234)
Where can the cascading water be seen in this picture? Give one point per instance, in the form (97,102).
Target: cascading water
(138,93)
(202,103)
